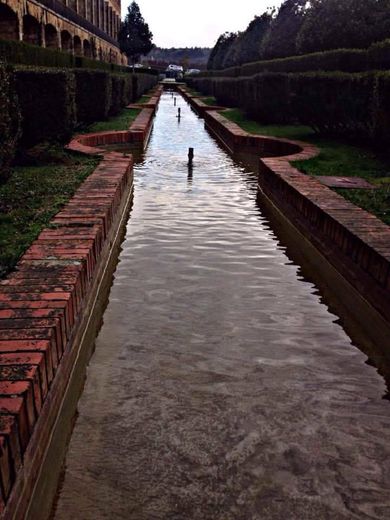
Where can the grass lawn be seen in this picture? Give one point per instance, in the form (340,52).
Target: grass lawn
(120,122)
(193,92)
(144,99)
(210,101)
(33,195)
(336,158)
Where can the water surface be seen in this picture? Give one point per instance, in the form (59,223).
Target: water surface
(221,386)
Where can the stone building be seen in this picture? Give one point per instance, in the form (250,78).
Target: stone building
(84,27)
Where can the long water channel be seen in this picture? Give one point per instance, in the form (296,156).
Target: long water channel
(222,387)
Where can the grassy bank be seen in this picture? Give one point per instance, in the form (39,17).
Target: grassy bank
(144,99)
(33,195)
(193,92)
(210,101)
(120,122)
(335,158)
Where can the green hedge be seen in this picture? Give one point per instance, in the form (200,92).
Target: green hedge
(47,102)
(53,102)
(141,84)
(381,109)
(354,105)
(93,95)
(266,97)
(21,53)
(345,60)
(333,103)
(377,57)
(9,121)
(117,94)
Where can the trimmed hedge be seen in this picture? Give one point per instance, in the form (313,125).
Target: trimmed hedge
(142,83)
(345,60)
(93,95)
(381,109)
(51,103)
(54,101)
(47,102)
(355,105)
(21,53)
(334,103)
(117,94)
(9,121)
(111,92)
(376,57)
(379,55)
(266,97)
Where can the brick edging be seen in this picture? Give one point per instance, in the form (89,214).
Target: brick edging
(355,242)
(44,306)
(138,133)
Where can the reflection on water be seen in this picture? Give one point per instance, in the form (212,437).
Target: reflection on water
(221,387)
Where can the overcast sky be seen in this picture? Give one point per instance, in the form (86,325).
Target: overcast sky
(197,23)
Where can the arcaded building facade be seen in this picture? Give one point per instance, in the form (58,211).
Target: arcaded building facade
(83,27)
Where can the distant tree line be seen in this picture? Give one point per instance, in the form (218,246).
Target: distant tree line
(301,27)
(188,57)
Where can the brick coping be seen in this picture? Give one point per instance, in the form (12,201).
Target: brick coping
(354,241)
(45,305)
(138,133)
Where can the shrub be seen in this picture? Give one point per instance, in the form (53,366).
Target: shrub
(142,83)
(20,53)
(9,121)
(93,95)
(379,55)
(267,98)
(337,103)
(117,94)
(127,89)
(376,57)
(47,101)
(227,91)
(345,60)
(381,110)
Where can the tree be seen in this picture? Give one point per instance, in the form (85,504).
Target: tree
(331,24)
(221,48)
(246,47)
(135,38)
(280,40)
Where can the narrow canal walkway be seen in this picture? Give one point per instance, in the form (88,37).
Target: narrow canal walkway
(221,387)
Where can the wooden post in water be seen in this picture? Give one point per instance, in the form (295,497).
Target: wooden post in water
(190,156)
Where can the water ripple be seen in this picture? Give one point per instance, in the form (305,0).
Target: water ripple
(221,387)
